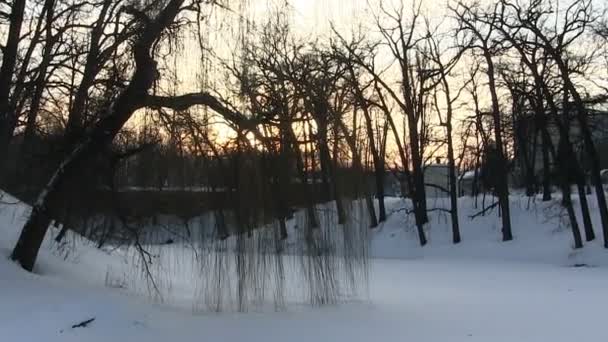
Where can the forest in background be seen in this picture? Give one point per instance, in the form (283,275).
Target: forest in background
(90,98)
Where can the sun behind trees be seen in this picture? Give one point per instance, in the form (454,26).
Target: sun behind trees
(322,126)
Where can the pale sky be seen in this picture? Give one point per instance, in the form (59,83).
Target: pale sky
(309,19)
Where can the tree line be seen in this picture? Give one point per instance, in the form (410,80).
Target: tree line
(385,99)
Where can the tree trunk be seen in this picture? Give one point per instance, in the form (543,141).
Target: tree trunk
(451,160)
(564,154)
(336,187)
(379,176)
(453,191)
(567,202)
(588,225)
(30,240)
(9,60)
(378,165)
(502,186)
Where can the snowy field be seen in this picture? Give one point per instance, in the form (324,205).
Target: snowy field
(535,288)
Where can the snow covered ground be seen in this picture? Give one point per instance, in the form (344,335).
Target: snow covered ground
(481,290)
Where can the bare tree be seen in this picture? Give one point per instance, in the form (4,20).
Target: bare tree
(416,84)
(556,41)
(482,37)
(133,97)
(443,70)
(539,68)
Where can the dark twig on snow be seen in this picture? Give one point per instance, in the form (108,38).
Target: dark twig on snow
(83,324)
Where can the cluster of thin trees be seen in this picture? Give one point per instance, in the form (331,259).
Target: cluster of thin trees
(386,98)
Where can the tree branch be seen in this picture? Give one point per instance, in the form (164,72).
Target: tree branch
(186,101)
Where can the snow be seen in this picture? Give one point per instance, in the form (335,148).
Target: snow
(480,290)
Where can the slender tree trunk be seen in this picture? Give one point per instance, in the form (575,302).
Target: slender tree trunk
(587,223)
(378,166)
(378,163)
(336,187)
(502,188)
(451,160)
(453,191)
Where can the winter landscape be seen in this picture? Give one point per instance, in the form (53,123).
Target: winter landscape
(271,170)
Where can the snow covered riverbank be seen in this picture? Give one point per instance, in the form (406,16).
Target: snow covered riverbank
(535,288)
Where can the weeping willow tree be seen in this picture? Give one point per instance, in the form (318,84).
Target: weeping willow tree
(254,251)
(281,228)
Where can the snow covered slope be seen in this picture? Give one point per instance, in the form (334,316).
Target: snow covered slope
(481,290)
(541,234)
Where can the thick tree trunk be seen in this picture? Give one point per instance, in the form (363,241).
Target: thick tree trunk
(30,240)
(35,228)
(379,176)
(9,60)
(567,202)
(373,219)
(418,191)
